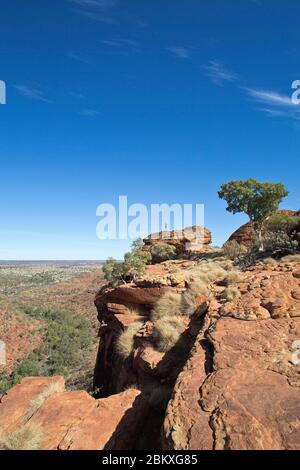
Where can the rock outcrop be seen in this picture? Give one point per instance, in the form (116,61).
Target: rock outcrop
(245,234)
(71,420)
(231,381)
(240,388)
(195,239)
(118,308)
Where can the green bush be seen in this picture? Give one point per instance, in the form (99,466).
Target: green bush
(133,266)
(163,252)
(282,223)
(276,242)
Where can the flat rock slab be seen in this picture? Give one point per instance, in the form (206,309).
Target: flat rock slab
(74,420)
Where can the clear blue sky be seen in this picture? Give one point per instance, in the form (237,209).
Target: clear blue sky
(159,100)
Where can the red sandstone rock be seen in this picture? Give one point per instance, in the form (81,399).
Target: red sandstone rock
(190,239)
(74,420)
(15,404)
(245,235)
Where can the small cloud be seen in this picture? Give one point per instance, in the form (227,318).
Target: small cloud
(218,74)
(89,112)
(96,10)
(32,93)
(121,44)
(78,57)
(95,3)
(276,104)
(180,52)
(269,97)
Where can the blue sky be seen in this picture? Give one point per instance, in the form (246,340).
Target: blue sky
(161,101)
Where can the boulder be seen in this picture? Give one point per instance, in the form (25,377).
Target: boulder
(73,420)
(195,239)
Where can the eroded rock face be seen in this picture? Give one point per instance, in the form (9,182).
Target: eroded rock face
(73,420)
(245,234)
(196,239)
(240,388)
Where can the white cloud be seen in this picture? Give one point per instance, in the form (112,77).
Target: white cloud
(96,10)
(180,52)
(269,97)
(32,93)
(218,74)
(276,104)
(89,112)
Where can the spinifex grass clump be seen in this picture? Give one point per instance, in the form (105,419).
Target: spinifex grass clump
(27,437)
(125,341)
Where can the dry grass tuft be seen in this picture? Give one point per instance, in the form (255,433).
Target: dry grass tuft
(167,332)
(27,437)
(291,259)
(270,261)
(233,277)
(41,398)
(168,305)
(125,341)
(189,304)
(231,293)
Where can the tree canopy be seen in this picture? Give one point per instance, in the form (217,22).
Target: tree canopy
(258,200)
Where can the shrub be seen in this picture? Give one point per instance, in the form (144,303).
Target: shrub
(231,293)
(114,271)
(168,305)
(167,332)
(133,266)
(233,277)
(291,259)
(234,250)
(125,341)
(282,223)
(276,242)
(189,304)
(163,252)
(27,437)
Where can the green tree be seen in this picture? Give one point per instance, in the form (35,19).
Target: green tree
(133,266)
(258,200)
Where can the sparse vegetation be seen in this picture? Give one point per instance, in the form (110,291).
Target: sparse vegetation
(163,252)
(41,398)
(194,289)
(170,304)
(276,243)
(270,261)
(67,340)
(233,277)
(231,293)
(133,266)
(234,250)
(291,259)
(167,332)
(125,341)
(27,437)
